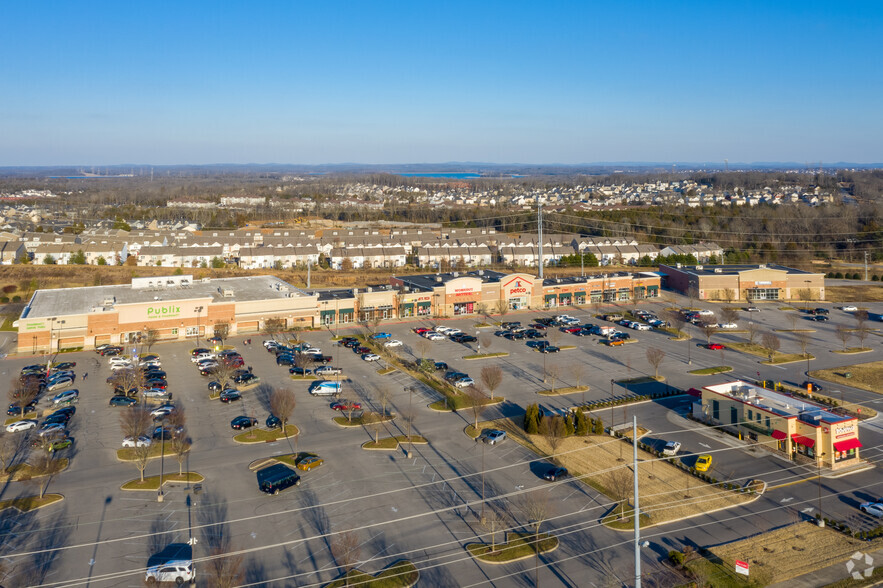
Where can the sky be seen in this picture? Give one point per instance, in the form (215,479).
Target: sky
(196,82)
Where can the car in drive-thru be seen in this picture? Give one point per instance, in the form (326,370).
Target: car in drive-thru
(276,478)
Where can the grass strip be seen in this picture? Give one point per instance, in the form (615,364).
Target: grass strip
(28,503)
(369,418)
(152,482)
(256,435)
(517,546)
(486,355)
(710,371)
(24,471)
(401,574)
(564,391)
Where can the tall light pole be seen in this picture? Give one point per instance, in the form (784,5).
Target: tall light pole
(478,340)
(819,457)
(410,416)
(637,515)
(612,381)
(162,455)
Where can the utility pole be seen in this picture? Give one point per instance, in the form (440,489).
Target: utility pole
(866,266)
(540,233)
(309,267)
(637,515)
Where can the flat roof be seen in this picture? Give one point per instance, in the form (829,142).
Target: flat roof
(432,281)
(775,402)
(73,301)
(733,269)
(338,294)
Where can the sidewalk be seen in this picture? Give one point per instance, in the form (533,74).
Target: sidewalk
(826,576)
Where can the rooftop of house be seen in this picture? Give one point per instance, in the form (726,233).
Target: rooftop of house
(777,403)
(73,301)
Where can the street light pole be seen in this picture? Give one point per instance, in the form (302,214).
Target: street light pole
(819,457)
(612,381)
(198,310)
(162,455)
(637,515)
(410,416)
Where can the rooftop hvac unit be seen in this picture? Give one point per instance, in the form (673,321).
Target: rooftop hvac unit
(227,292)
(438,278)
(108,301)
(718,270)
(699,267)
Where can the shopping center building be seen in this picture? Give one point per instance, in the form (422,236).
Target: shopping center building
(799,429)
(744,282)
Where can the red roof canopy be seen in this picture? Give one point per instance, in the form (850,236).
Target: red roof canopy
(853,443)
(779,435)
(805,441)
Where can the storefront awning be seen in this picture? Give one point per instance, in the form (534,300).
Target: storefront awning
(551,297)
(346,311)
(805,441)
(847,445)
(779,435)
(324,313)
(424,304)
(408,305)
(580,293)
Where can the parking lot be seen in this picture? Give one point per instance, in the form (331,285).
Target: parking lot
(423,508)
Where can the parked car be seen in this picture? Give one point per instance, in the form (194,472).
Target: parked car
(59,444)
(555,473)
(344,406)
(376,336)
(640,327)
(299,371)
(20,426)
(141,441)
(821,311)
(453,376)
(752,309)
(849,308)
(393,343)
(51,429)
(464,382)
(162,411)
(872,508)
(440,365)
(820,318)
(66,397)
(548,349)
(243,422)
(671,448)
(64,365)
(157,394)
(310,463)
(122,401)
(177,571)
(361,350)
(229,396)
(492,436)
(514,324)
(59,383)
(703,463)
(327,370)
(15,409)
(434,336)
(714,346)
(276,478)
(727,326)
(370,357)
(273,422)
(246,379)
(464,338)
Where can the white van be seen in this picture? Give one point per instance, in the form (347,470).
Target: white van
(325,388)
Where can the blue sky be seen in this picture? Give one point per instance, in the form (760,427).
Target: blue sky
(92,83)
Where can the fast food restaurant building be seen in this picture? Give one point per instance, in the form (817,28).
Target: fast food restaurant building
(799,429)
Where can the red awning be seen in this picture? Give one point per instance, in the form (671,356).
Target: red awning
(779,435)
(805,441)
(853,443)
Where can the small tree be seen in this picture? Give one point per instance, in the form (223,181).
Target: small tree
(844,334)
(532,419)
(729,315)
(225,571)
(142,457)
(78,258)
(676,320)
(44,466)
(346,550)
(477,402)
(491,377)
(803,340)
(21,394)
(708,329)
(135,421)
(422,347)
(555,432)
(619,482)
(502,308)
(222,330)
(753,332)
(771,343)
(273,327)
(861,327)
(282,404)
(581,427)
(383,398)
(493,521)
(597,426)
(729,295)
(485,341)
(654,358)
(151,336)
(180,441)
(553,371)
(49,260)
(101,260)
(224,372)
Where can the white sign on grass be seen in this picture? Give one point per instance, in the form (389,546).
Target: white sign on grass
(741,567)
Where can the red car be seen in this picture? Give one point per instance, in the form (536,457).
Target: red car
(345,406)
(573,330)
(421,330)
(714,346)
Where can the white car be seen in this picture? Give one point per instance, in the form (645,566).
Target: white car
(671,448)
(393,343)
(442,329)
(201,356)
(452,332)
(849,308)
(177,571)
(121,366)
(872,508)
(315,350)
(20,426)
(706,312)
(640,327)
(464,383)
(371,357)
(119,359)
(162,411)
(727,326)
(141,441)
(50,430)
(435,337)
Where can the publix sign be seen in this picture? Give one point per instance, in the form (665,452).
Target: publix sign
(163,311)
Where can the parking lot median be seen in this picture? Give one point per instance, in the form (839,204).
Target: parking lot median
(265,435)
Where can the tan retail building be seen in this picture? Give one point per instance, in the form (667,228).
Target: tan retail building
(744,282)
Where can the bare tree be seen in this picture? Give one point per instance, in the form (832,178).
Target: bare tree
(282,405)
(861,327)
(753,331)
(619,483)
(375,322)
(554,337)
(844,334)
(655,356)
(44,466)
(346,550)
(803,339)
(805,294)
(422,347)
(493,522)
(482,310)
(222,330)
(692,294)
(554,432)
(537,509)
(225,571)
(151,336)
(729,315)
(485,341)
(12,447)
(771,343)
(729,295)
(21,394)
(126,382)
(708,329)
(135,421)
(477,402)
(675,319)
(142,457)
(383,398)
(491,376)
(303,361)
(273,327)
(553,371)
(180,441)
(502,308)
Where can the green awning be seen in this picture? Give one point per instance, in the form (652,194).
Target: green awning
(324,313)
(424,304)
(408,305)
(566,296)
(346,311)
(551,297)
(580,293)
(652,288)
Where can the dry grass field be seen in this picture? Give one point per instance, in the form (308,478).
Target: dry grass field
(867,376)
(856,293)
(667,493)
(791,551)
